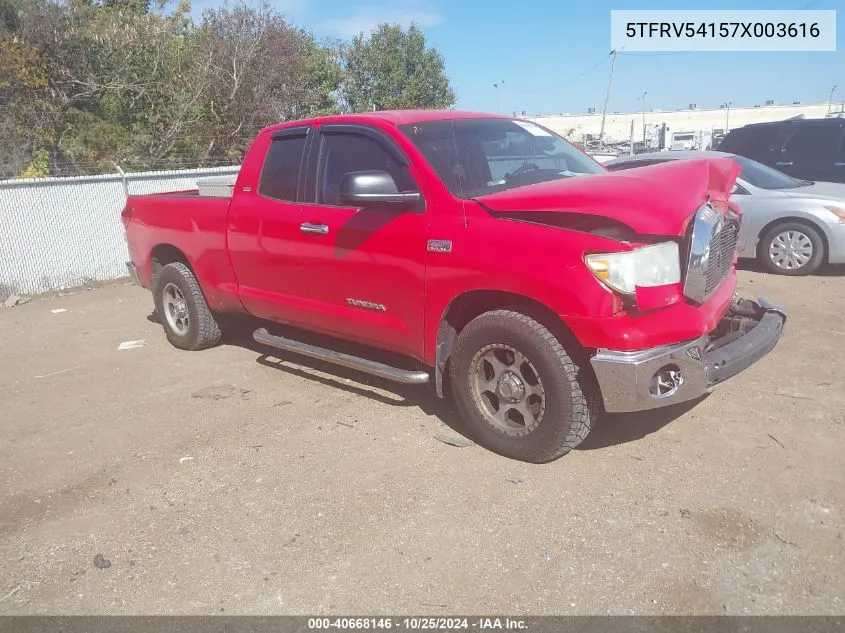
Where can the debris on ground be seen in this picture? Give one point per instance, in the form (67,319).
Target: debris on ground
(516,480)
(61,371)
(776,440)
(187,458)
(685,514)
(101,562)
(783,540)
(131,344)
(15,300)
(58,310)
(791,395)
(345,424)
(457,441)
(12,593)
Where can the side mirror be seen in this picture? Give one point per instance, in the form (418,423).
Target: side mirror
(374,189)
(734,189)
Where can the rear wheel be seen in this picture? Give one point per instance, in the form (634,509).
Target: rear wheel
(183,312)
(519,391)
(791,248)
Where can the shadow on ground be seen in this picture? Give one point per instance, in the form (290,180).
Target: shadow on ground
(613,429)
(826,270)
(610,429)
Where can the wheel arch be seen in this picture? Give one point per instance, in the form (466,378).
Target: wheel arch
(164,254)
(796,219)
(467,306)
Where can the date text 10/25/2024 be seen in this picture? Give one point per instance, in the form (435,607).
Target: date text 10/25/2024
(417,624)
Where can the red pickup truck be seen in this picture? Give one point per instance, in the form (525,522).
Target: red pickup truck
(489,255)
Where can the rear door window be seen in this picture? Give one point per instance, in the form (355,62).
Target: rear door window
(280,175)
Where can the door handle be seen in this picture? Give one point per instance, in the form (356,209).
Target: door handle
(787,163)
(314,229)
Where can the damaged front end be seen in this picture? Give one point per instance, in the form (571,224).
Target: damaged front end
(656,377)
(748,331)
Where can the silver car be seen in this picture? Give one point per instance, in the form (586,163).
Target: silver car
(791,226)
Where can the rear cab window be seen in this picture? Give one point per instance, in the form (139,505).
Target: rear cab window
(282,167)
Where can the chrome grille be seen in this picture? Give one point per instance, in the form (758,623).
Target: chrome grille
(711,243)
(722,247)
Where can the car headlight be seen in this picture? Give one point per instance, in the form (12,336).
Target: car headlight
(838,212)
(657,265)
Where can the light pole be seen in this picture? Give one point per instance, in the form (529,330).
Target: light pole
(727,105)
(498,87)
(643,98)
(613,54)
(830,100)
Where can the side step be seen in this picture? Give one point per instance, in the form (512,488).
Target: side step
(404,376)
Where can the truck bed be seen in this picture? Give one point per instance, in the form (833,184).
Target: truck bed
(195,224)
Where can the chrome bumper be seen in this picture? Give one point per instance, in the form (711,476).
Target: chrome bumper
(133,274)
(660,376)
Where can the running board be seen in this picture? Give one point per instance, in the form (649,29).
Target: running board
(404,376)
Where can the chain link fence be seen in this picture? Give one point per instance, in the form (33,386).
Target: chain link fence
(59,233)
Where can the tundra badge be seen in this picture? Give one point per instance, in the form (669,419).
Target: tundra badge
(439,246)
(369,305)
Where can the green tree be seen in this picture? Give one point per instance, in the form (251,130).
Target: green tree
(253,69)
(394,69)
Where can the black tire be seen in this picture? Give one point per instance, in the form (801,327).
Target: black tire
(202,329)
(815,238)
(570,404)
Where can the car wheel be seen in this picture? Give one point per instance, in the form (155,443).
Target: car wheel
(518,390)
(791,248)
(184,314)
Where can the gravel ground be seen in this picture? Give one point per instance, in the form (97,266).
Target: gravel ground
(226,481)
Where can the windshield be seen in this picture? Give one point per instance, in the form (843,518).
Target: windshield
(764,177)
(474,157)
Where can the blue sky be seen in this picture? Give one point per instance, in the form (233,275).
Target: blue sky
(553,55)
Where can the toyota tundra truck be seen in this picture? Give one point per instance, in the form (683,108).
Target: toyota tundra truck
(486,254)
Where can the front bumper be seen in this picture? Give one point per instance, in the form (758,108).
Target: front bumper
(660,376)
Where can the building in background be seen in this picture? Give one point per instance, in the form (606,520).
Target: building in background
(584,129)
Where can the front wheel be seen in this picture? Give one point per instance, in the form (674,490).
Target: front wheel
(184,314)
(791,248)
(519,391)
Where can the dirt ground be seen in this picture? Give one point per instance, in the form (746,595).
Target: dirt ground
(226,481)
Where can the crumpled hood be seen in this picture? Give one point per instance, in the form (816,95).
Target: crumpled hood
(653,200)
